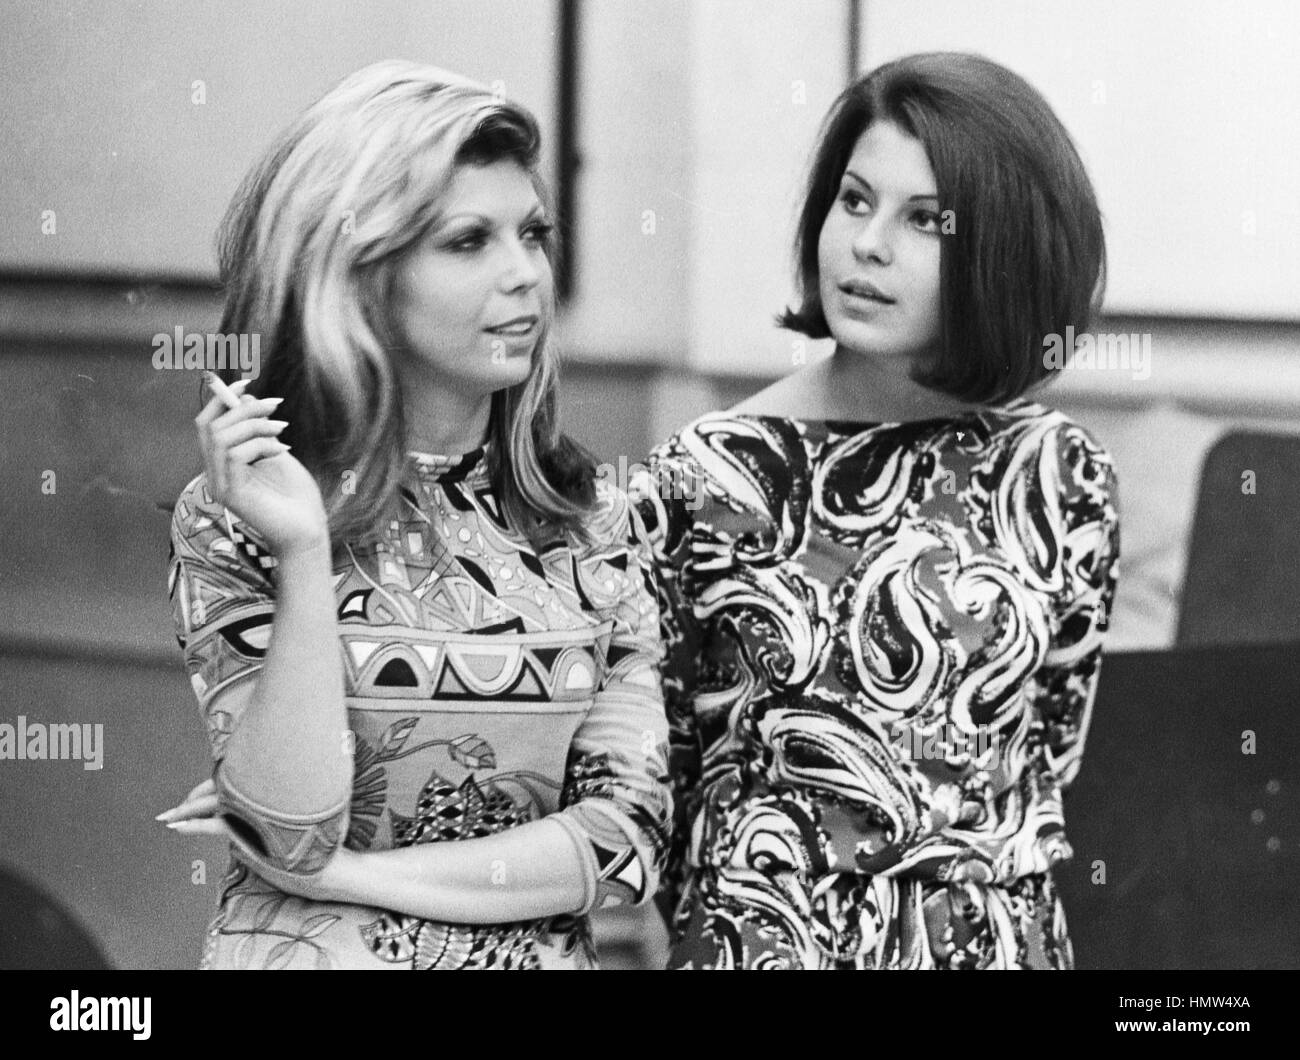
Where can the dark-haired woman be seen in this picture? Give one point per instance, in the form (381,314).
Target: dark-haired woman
(884,621)
(425,642)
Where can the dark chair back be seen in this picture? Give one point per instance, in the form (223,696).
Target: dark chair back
(1184,816)
(1243,574)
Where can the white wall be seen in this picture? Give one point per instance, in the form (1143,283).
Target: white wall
(762,78)
(635,139)
(697,120)
(100,126)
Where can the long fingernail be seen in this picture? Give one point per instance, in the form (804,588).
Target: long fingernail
(165,815)
(273,402)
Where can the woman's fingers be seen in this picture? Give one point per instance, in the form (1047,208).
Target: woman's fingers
(203,428)
(202,798)
(205,423)
(248,408)
(208,787)
(230,428)
(203,806)
(229,437)
(255,449)
(216,406)
(205,826)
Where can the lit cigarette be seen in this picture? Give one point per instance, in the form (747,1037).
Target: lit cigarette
(222,391)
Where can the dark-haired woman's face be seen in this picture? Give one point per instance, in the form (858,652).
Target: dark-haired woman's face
(472,297)
(878,254)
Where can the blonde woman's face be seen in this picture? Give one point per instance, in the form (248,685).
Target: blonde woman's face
(471,298)
(878,254)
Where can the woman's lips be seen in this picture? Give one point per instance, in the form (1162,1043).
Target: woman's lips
(867,292)
(517,328)
(862,305)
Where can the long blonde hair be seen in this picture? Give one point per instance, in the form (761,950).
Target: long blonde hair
(307,253)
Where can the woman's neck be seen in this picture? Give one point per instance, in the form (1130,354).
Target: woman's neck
(853,386)
(443,421)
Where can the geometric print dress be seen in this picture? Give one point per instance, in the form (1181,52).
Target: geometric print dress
(488,683)
(883,644)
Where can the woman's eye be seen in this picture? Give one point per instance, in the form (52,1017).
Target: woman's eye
(539,232)
(927,220)
(852,200)
(470,241)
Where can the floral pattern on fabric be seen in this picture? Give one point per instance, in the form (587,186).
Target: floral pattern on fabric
(483,676)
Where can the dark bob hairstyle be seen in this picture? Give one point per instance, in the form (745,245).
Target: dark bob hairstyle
(1027,258)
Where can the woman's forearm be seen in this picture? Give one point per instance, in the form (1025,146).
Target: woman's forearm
(289,751)
(533,870)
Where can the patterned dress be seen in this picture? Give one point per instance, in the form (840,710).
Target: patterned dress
(487,684)
(883,645)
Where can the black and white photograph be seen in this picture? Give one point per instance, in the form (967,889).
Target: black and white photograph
(677,485)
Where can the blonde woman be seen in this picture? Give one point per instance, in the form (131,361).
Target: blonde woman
(423,635)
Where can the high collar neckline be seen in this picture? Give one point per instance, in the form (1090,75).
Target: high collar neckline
(450,467)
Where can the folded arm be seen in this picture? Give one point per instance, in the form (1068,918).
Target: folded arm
(605,844)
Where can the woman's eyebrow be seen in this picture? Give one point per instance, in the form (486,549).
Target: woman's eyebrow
(537,211)
(867,184)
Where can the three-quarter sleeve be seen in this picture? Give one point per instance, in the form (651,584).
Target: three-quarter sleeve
(1065,685)
(616,804)
(221,582)
(666,494)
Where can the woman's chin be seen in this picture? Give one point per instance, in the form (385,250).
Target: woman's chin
(509,373)
(879,346)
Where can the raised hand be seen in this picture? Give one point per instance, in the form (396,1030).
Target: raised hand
(254,475)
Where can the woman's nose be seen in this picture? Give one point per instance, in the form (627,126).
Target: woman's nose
(520,271)
(872,242)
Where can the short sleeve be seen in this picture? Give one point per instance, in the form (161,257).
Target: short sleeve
(223,601)
(1066,684)
(616,802)
(667,493)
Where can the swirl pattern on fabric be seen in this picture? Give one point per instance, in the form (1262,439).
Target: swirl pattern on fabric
(882,648)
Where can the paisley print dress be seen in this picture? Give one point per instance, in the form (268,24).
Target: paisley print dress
(883,645)
(488,683)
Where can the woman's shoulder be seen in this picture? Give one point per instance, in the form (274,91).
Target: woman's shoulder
(1042,441)
(1026,419)
(699,453)
(686,450)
